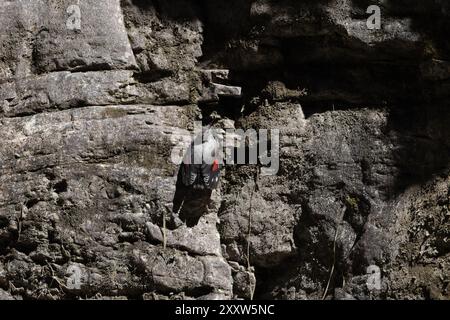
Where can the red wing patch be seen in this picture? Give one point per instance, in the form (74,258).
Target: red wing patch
(215,166)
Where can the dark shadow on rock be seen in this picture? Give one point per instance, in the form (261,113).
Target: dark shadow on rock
(174,10)
(422,135)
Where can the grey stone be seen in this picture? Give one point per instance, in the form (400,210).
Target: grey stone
(5,295)
(227,91)
(244,284)
(101,42)
(202,239)
(91,119)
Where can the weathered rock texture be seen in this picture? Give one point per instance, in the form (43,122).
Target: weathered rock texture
(89,117)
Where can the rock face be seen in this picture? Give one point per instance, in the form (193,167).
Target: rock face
(96,96)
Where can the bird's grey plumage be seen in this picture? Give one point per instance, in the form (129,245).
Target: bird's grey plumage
(200,167)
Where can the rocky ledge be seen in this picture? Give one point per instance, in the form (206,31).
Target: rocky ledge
(95,95)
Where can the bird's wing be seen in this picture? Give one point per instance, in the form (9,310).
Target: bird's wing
(211,174)
(189,173)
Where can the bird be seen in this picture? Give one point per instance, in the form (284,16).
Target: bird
(201,166)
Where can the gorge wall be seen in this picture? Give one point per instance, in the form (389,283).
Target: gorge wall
(94,96)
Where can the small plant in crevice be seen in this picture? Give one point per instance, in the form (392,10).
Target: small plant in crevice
(352,203)
(249,230)
(333,265)
(249,267)
(164,230)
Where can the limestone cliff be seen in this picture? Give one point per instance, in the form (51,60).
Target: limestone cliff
(94,95)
